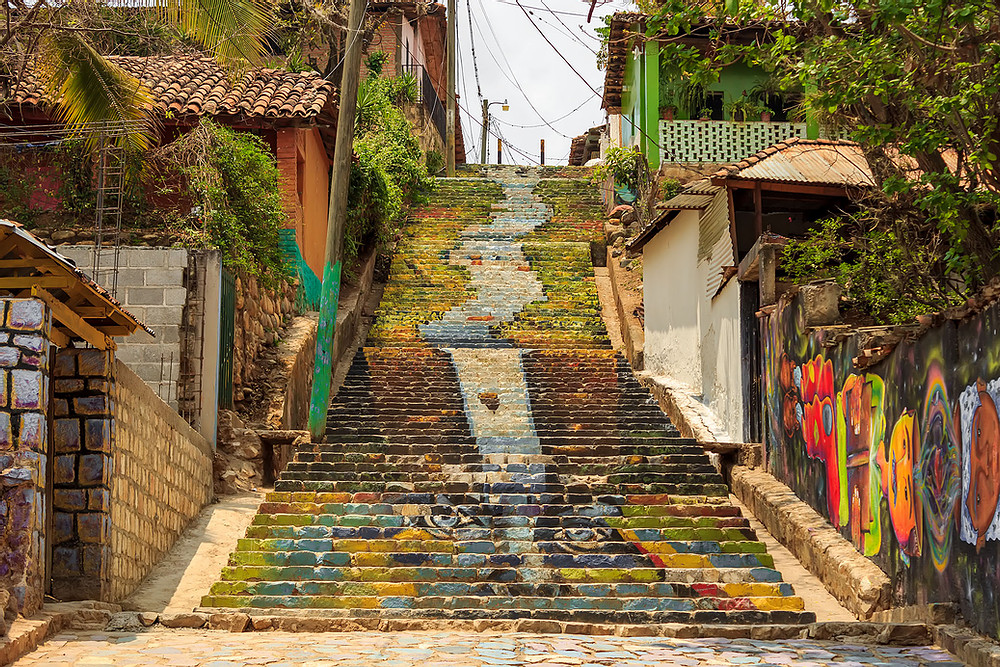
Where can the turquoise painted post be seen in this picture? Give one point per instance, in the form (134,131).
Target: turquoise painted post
(651,103)
(323,369)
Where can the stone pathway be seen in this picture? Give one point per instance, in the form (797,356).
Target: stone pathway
(222,649)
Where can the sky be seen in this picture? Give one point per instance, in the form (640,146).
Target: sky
(516,64)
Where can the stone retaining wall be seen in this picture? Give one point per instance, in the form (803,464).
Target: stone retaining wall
(261,312)
(162,479)
(24,391)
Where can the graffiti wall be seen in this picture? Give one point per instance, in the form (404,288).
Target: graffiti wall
(903,457)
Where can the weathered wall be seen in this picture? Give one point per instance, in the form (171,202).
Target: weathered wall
(315,199)
(25,325)
(161,479)
(82,446)
(722,364)
(671,297)
(903,457)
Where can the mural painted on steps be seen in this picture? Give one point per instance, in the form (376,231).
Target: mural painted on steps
(903,457)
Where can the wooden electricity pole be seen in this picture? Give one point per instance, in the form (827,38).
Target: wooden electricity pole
(450,116)
(340,181)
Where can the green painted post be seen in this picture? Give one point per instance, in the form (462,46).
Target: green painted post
(323,368)
(651,106)
(340,183)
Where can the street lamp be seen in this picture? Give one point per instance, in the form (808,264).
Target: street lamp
(486,123)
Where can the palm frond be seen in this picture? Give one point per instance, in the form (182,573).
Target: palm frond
(235,31)
(92,90)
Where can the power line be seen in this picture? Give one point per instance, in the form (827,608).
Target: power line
(569,31)
(558,52)
(554,120)
(472,43)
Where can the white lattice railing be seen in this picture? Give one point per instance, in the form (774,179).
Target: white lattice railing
(720,140)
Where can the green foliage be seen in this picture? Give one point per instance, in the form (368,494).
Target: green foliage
(435,162)
(390,173)
(624,164)
(916,81)
(231,180)
(865,259)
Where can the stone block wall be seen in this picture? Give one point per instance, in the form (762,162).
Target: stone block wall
(261,313)
(25,325)
(151,285)
(82,445)
(162,478)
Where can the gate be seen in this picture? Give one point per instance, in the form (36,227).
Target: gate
(227,337)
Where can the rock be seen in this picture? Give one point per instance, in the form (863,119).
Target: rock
(125,621)
(234,622)
(905,634)
(148,618)
(243,444)
(182,620)
(625,262)
(618,211)
(616,252)
(261,623)
(63,235)
(614,233)
(628,217)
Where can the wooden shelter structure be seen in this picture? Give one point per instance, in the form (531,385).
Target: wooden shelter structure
(81,309)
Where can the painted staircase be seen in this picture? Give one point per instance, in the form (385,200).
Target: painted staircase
(489,455)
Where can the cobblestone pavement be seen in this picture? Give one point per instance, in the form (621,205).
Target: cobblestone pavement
(196,648)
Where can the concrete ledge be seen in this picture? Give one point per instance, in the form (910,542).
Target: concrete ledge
(854,580)
(633,337)
(691,417)
(971,648)
(26,634)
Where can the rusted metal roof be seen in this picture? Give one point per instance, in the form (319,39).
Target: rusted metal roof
(618,53)
(695,196)
(806,161)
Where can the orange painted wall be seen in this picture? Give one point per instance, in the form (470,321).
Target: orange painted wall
(315,200)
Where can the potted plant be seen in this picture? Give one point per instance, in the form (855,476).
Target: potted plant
(743,108)
(691,98)
(765,114)
(705,114)
(667,112)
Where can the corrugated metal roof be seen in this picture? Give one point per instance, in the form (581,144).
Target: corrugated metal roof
(816,162)
(686,202)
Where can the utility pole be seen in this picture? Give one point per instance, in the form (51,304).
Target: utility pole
(340,181)
(486,122)
(450,116)
(499,151)
(542,161)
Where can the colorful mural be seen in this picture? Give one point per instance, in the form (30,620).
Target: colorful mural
(902,457)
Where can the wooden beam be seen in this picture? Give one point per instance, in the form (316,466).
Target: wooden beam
(59,337)
(20,263)
(72,321)
(732,225)
(27,282)
(758,211)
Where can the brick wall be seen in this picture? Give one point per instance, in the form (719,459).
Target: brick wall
(162,479)
(82,432)
(24,344)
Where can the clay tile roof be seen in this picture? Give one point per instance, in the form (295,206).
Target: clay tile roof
(197,86)
(808,161)
(618,50)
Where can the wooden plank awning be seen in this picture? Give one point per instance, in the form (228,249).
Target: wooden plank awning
(81,309)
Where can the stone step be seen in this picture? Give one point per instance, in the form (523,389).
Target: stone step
(307,515)
(710,595)
(436,487)
(426,570)
(727,539)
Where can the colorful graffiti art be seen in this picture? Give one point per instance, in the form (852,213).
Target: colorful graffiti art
(981,455)
(818,429)
(860,429)
(897,483)
(937,478)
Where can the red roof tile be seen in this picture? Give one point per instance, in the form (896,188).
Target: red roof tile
(198,86)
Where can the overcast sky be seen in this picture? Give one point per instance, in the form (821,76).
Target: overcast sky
(510,53)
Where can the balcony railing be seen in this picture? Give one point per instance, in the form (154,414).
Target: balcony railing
(721,140)
(428,97)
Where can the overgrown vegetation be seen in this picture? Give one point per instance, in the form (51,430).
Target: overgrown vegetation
(390,172)
(918,83)
(224,191)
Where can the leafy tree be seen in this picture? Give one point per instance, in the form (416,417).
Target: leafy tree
(917,82)
(63,42)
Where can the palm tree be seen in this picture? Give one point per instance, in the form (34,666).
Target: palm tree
(55,41)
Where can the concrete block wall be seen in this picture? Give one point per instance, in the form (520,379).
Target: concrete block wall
(151,285)
(162,477)
(25,326)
